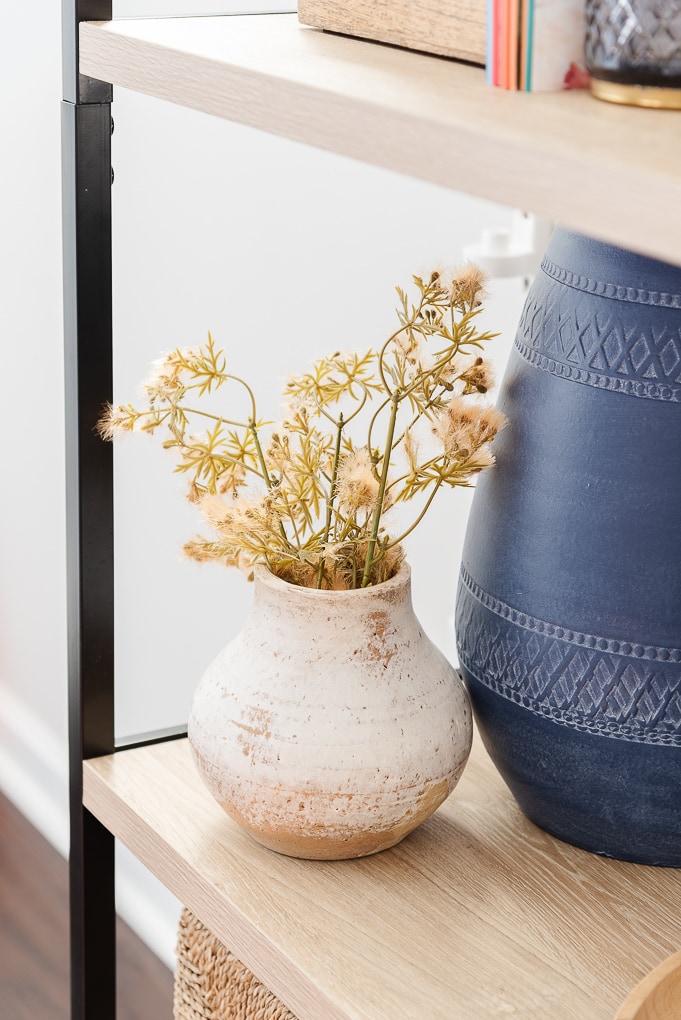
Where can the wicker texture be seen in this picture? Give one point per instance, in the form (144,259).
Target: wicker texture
(211,984)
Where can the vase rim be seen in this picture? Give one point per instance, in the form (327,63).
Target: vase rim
(398,582)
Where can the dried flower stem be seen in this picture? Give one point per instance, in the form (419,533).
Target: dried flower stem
(378,509)
(426,507)
(263,467)
(332,494)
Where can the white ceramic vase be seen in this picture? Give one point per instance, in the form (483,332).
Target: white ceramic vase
(331,726)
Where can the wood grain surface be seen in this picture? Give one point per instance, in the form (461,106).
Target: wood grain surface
(611,172)
(478,914)
(454,28)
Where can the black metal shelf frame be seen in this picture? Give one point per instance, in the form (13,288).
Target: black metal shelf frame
(86,225)
(88,337)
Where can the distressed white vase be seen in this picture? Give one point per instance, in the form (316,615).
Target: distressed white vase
(331,726)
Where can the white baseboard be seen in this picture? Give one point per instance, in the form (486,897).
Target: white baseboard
(34,777)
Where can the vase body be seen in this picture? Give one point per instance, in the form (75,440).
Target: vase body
(569,604)
(633,51)
(331,726)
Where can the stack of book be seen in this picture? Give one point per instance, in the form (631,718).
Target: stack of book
(536,45)
(530,45)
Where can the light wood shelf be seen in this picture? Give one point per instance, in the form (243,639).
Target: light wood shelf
(610,171)
(476,915)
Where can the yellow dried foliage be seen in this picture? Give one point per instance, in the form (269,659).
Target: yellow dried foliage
(363,431)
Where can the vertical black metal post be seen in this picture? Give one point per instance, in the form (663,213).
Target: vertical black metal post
(86,142)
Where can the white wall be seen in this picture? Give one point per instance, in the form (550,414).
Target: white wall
(282,252)
(32,612)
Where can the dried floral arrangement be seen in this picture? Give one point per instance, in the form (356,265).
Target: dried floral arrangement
(311,497)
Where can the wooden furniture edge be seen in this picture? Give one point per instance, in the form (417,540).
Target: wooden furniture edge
(563,156)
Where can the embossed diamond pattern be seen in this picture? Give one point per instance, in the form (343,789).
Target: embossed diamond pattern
(621,700)
(672,716)
(640,354)
(589,339)
(584,687)
(594,690)
(670,358)
(600,351)
(647,705)
(613,348)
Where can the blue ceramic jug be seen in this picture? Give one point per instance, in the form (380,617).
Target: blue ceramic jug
(568,612)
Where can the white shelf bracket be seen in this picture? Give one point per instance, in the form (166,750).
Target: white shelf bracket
(516,251)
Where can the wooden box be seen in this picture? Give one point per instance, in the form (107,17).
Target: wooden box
(451,28)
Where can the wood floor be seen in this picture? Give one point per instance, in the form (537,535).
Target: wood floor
(34,944)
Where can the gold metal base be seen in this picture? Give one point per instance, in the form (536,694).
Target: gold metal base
(637,95)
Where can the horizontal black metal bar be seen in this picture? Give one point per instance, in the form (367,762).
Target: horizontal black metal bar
(152,737)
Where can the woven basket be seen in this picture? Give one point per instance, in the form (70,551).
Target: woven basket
(211,984)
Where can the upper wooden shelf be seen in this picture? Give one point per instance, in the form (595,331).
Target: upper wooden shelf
(610,171)
(476,915)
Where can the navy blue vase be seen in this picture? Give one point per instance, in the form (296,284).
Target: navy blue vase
(568,612)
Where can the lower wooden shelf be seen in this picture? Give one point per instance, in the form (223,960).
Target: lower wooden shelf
(476,915)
